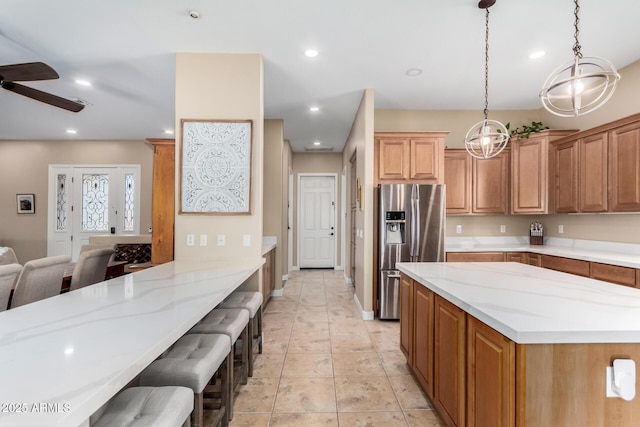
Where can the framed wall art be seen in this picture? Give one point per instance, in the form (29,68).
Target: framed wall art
(215,167)
(26,203)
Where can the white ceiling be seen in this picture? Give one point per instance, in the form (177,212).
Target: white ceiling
(126,48)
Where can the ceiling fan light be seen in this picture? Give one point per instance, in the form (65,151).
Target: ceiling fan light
(486,139)
(594,79)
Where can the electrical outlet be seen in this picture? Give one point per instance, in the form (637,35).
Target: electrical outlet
(191,240)
(458,229)
(221,240)
(503,228)
(560,229)
(203,240)
(246,240)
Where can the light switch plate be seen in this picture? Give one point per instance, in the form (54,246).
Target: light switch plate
(203,240)
(246,240)
(221,240)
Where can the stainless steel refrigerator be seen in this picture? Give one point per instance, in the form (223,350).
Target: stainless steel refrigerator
(411,229)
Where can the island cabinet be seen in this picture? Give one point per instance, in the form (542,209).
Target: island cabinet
(409,157)
(531,177)
(406,317)
(268,275)
(476,186)
(424,301)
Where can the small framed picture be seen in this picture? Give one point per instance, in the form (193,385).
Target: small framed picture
(26,203)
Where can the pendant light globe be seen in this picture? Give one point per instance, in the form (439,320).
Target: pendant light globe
(486,139)
(580,86)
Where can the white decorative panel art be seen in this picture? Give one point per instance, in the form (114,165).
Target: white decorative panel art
(216,167)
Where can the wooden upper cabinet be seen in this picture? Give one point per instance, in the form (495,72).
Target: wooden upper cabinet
(531,177)
(457,177)
(592,166)
(566,177)
(624,168)
(490,181)
(410,157)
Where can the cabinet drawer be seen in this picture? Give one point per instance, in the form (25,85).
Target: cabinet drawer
(475,257)
(614,273)
(533,259)
(567,265)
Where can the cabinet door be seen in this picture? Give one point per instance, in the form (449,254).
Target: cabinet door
(457,178)
(475,256)
(624,168)
(426,159)
(530,175)
(423,351)
(533,259)
(592,165)
(449,362)
(613,273)
(491,377)
(566,177)
(490,184)
(393,159)
(566,265)
(520,257)
(406,317)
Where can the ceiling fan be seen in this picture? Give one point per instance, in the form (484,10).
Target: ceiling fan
(31,71)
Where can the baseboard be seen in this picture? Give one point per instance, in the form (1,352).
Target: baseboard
(338,268)
(285,277)
(365,315)
(348,280)
(295,268)
(277,292)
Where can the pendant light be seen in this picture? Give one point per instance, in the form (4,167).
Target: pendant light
(580,86)
(487,138)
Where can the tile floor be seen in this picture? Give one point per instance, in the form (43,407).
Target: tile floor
(323,366)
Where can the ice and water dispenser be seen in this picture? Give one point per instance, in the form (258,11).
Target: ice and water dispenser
(394,227)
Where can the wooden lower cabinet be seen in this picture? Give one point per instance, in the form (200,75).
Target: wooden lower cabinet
(423,300)
(491,359)
(475,256)
(406,317)
(614,273)
(566,265)
(268,276)
(449,362)
(520,257)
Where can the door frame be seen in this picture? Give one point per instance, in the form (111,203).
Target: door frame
(335,210)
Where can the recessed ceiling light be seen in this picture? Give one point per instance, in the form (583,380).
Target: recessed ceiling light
(311,53)
(316,143)
(194,14)
(72,131)
(83,82)
(168,132)
(412,72)
(538,54)
(314,109)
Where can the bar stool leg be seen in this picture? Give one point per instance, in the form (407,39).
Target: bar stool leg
(227,389)
(197,414)
(260,337)
(245,354)
(250,347)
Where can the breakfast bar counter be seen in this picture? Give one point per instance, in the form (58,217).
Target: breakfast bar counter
(63,357)
(511,344)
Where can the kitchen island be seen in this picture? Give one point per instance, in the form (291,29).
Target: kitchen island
(508,344)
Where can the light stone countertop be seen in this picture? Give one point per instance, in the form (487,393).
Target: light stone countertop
(532,305)
(268,243)
(78,349)
(622,254)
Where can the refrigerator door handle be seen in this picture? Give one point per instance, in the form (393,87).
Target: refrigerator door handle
(394,276)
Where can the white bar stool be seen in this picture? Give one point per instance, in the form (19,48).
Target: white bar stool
(148,406)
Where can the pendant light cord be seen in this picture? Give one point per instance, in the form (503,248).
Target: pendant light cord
(576,47)
(486,66)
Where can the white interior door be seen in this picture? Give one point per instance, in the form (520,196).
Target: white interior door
(316,213)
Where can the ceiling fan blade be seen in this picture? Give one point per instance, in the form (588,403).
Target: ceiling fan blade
(28,72)
(45,97)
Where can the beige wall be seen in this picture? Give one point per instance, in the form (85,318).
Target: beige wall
(329,163)
(360,142)
(276,169)
(24,167)
(221,86)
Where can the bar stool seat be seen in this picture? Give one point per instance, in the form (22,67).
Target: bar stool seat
(252,302)
(191,362)
(148,406)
